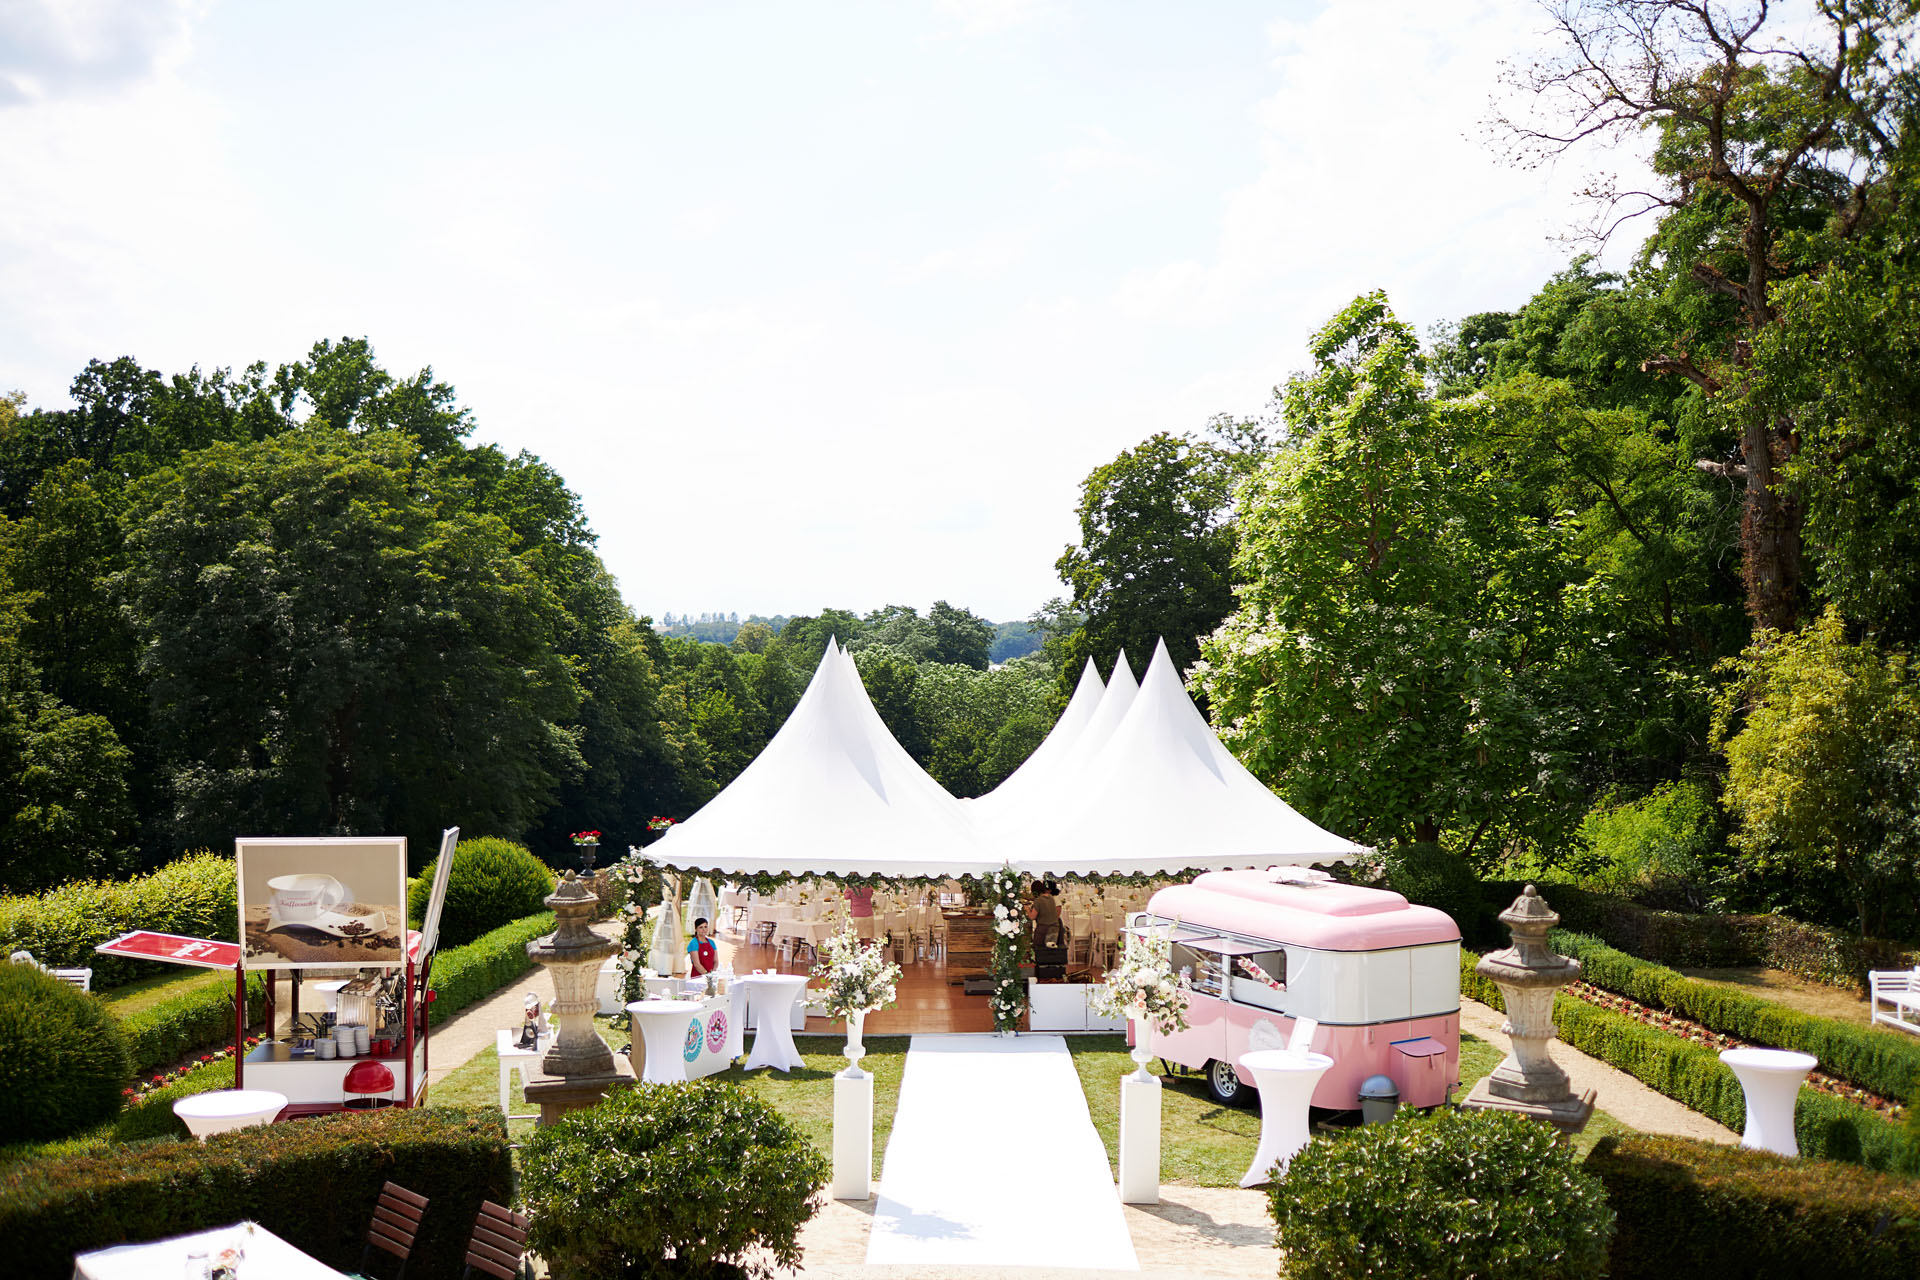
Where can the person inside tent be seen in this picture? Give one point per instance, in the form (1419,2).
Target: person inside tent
(702,956)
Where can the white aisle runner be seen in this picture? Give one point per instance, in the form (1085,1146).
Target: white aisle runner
(993,1161)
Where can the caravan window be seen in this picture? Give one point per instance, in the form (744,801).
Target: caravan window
(1200,970)
(1260,979)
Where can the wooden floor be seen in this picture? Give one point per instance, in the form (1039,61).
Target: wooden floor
(931,999)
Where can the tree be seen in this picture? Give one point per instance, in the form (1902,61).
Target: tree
(1823,766)
(1759,134)
(1155,554)
(960,636)
(331,648)
(1414,654)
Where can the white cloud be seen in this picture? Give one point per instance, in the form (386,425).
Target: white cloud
(989,17)
(57,48)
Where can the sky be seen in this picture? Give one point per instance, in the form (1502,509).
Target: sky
(821,304)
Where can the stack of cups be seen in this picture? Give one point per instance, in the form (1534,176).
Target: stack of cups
(362,1040)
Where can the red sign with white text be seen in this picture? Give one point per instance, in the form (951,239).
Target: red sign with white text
(143,944)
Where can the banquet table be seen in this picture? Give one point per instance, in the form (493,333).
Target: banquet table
(774,995)
(267,1255)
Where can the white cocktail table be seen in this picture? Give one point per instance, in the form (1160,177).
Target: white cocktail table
(1771,1079)
(663,1026)
(773,997)
(1286,1085)
(266,1255)
(224,1109)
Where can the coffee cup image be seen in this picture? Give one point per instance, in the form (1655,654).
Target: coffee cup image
(300,899)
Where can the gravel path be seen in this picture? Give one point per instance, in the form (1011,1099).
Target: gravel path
(1618,1094)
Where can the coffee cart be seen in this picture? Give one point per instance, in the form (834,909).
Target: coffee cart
(329,915)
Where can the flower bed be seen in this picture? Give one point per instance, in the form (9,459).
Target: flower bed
(1871,1065)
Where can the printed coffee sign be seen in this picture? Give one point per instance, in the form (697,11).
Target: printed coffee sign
(309,902)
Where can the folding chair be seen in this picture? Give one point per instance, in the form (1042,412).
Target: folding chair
(396,1221)
(498,1247)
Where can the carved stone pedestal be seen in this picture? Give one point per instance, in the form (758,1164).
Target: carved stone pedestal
(579,1069)
(1529,975)
(558,1095)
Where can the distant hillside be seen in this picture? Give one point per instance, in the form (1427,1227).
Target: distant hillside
(1013,640)
(1010,639)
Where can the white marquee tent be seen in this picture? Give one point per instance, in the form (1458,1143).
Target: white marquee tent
(1131,780)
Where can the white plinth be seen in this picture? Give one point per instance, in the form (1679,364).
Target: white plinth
(852,1137)
(1771,1079)
(1139,1141)
(224,1109)
(773,997)
(663,1024)
(1286,1087)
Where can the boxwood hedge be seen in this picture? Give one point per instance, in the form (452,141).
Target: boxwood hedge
(1693,1075)
(193,896)
(311,1182)
(200,1016)
(1684,1207)
(1882,1062)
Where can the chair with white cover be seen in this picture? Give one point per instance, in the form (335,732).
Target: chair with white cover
(1108,939)
(1080,936)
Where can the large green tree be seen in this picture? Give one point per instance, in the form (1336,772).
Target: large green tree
(1155,557)
(1415,654)
(1766,125)
(334,646)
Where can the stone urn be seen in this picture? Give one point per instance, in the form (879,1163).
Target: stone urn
(1530,974)
(579,1067)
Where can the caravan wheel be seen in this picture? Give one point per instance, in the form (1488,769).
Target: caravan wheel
(1224,1083)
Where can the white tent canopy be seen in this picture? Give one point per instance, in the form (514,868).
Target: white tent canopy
(1033,780)
(1131,780)
(832,794)
(1161,793)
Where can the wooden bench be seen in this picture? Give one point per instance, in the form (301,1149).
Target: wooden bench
(1900,989)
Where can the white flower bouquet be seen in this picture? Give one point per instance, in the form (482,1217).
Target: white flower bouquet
(1143,986)
(859,979)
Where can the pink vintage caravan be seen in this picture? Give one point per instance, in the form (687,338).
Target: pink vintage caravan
(1381,975)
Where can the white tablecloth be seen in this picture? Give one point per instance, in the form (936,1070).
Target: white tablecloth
(267,1257)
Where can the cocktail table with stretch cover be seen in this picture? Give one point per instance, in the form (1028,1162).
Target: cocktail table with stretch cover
(773,997)
(663,1026)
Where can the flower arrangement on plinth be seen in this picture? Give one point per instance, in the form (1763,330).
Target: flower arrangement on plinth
(859,980)
(586,837)
(1008,999)
(635,878)
(659,824)
(1144,988)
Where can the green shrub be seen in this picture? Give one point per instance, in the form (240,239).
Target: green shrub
(494,882)
(1661,838)
(1698,1208)
(1877,1061)
(63,1061)
(1693,1075)
(193,896)
(1429,875)
(313,1183)
(464,975)
(201,1016)
(697,1179)
(1460,1194)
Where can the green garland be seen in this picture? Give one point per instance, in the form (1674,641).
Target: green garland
(1009,995)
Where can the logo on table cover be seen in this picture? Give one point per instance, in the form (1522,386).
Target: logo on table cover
(694,1036)
(717,1032)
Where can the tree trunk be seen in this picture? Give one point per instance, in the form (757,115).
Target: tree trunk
(1769,528)
(1426,832)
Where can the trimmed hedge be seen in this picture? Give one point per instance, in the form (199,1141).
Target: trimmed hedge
(63,1060)
(1697,1208)
(471,973)
(493,883)
(193,896)
(1684,940)
(313,1183)
(171,1029)
(1881,1062)
(1693,1075)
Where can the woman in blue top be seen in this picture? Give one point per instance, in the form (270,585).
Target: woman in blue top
(702,956)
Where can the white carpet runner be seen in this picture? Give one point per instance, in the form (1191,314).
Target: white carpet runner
(993,1161)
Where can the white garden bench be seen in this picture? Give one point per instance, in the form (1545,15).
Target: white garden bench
(1899,988)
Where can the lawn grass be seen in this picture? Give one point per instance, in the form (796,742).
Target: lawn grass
(144,993)
(1201,1142)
